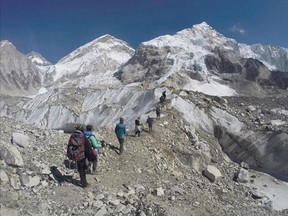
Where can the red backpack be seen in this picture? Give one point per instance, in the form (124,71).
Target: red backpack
(76,146)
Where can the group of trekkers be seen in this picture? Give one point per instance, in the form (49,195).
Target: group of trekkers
(84,148)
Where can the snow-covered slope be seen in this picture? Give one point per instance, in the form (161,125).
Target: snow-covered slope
(38,59)
(91,64)
(19,76)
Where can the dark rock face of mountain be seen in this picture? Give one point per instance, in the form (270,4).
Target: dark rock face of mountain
(147,59)
(280,79)
(18,74)
(250,69)
(223,62)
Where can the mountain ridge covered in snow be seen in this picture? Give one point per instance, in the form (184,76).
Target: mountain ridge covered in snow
(192,59)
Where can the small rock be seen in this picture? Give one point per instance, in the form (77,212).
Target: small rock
(257,194)
(251,108)
(176,189)
(115,202)
(102,211)
(120,194)
(119,208)
(212,173)
(172,198)
(242,176)
(159,191)
(43,208)
(269,205)
(24,179)
(46,171)
(34,181)
(44,183)
(244,165)
(139,187)
(3,177)
(131,191)
(97,204)
(100,197)
(14,182)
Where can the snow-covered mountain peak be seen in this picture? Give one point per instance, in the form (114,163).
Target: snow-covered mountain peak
(105,43)
(198,53)
(92,63)
(202,26)
(37,59)
(5,43)
(201,35)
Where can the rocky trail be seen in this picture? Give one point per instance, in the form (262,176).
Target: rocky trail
(160,173)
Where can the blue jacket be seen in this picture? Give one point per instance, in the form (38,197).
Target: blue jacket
(120,130)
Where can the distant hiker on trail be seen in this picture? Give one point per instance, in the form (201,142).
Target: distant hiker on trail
(95,149)
(158,112)
(163,97)
(137,127)
(150,123)
(78,150)
(120,131)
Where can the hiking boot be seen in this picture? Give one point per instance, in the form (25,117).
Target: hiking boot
(86,185)
(88,171)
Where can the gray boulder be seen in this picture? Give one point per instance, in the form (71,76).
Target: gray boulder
(243,176)
(20,139)
(3,176)
(212,173)
(10,154)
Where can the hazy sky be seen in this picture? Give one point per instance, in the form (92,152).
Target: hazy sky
(54,28)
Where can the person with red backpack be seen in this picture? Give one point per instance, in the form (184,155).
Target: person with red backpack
(95,147)
(78,150)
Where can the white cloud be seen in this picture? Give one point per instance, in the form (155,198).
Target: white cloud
(238,29)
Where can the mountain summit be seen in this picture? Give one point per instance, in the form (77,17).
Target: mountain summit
(200,58)
(92,63)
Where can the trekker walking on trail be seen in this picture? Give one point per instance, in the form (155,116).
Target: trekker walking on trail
(95,145)
(163,97)
(78,150)
(150,123)
(158,112)
(120,131)
(137,127)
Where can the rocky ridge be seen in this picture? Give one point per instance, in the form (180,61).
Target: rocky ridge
(19,76)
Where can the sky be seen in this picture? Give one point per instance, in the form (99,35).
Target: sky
(54,28)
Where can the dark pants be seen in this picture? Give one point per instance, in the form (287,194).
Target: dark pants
(158,114)
(82,172)
(150,128)
(137,133)
(94,164)
(121,142)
